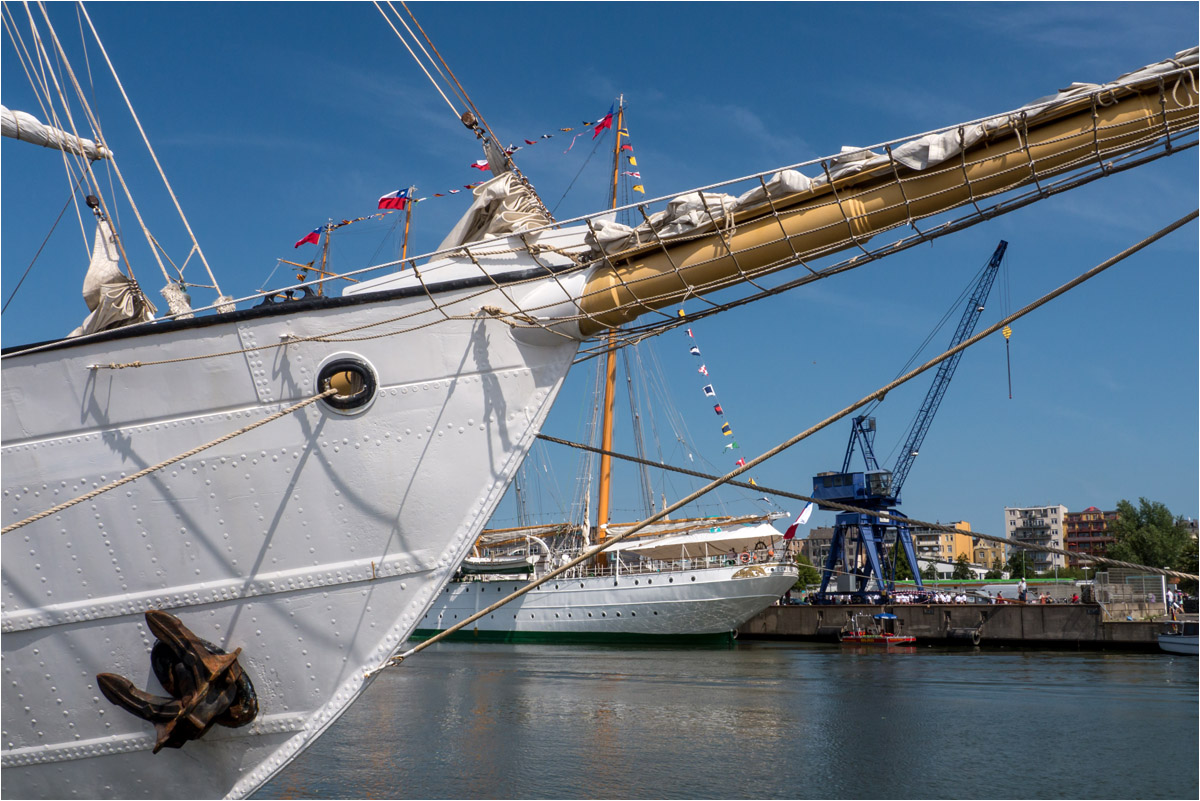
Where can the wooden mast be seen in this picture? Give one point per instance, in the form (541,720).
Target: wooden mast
(610,379)
(412,190)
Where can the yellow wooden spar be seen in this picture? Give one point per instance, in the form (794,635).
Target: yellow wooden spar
(849,210)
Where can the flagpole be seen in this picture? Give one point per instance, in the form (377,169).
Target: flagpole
(610,379)
(412,191)
(324,259)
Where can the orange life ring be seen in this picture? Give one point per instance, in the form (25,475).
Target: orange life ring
(744,558)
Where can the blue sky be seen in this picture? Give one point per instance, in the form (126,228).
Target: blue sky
(271,118)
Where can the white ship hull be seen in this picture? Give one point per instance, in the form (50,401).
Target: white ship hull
(1179,644)
(314,543)
(685,603)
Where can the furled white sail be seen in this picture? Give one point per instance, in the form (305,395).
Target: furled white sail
(114,298)
(27,128)
(696,213)
(502,206)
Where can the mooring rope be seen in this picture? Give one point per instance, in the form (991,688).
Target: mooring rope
(843,507)
(751,464)
(147,471)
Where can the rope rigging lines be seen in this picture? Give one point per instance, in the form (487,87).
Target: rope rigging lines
(717,481)
(168,462)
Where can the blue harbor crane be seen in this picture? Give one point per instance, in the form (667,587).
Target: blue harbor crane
(879,490)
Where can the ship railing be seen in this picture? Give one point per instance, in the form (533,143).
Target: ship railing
(620,566)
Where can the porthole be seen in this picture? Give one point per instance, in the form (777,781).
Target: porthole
(671,581)
(589,614)
(604,614)
(352,378)
(693,578)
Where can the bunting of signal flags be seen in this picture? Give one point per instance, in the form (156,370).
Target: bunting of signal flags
(604,123)
(397,200)
(710,392)
(314,237)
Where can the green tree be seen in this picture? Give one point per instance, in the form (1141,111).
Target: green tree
(997,571)
(904,571)
(1189,564)
(1018,564)
(1149,535)
(962,568)
(930,572)
(808,573)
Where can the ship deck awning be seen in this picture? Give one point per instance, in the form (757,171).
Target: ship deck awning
(699,544)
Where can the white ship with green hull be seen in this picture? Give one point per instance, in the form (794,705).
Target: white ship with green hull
(696,585)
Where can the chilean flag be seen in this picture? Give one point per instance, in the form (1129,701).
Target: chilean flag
(314,237)
(394,200)
(604,123)
(800,520)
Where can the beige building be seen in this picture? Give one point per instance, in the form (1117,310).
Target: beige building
(986,553)
(816,546)
(1039,525)
(946,546)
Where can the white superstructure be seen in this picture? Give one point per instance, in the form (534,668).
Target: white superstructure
(695,584)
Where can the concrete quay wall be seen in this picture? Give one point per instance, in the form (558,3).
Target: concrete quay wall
(1049,625)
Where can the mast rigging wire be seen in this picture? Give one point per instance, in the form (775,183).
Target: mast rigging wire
(788,443)
(49,234)
(154,156)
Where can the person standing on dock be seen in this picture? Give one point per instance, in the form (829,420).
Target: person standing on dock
(1022,590)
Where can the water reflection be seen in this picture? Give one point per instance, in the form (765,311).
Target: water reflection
(760,720)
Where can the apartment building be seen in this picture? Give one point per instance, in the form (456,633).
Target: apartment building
(1088,531)
(1038,525)
(945,545)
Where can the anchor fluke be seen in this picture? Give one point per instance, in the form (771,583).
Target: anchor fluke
(207,686)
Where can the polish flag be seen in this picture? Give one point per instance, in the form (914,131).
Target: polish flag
(800,520)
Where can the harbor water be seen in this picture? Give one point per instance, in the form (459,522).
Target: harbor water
(761,720)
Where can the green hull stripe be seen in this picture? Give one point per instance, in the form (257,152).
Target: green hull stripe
(573,637)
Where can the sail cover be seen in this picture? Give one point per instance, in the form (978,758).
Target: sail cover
(502,206)
(114,298)
(27,128)
(699,212)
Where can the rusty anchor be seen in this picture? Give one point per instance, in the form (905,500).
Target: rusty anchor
(208,686)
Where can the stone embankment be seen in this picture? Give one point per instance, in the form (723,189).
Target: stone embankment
(1046,625)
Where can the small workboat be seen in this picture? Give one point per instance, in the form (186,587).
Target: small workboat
(1180,637)
(877,631)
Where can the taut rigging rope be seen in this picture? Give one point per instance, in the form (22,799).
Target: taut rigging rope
(842,507)
(147,471)
(756,461)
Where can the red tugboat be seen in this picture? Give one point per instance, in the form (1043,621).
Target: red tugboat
(878,632)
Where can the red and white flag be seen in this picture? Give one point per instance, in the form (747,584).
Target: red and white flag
(481,165)
(800,520)
(394,200)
